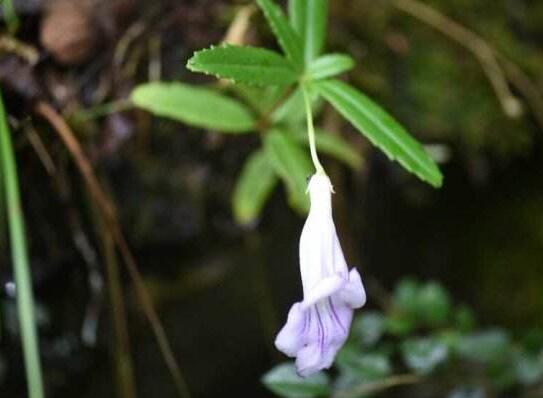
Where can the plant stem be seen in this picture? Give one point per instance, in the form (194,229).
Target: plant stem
(311,133)
(102,110)
(25,300)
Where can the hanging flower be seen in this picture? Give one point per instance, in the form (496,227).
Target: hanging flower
(318,326)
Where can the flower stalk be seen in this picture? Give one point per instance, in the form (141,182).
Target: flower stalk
(311,133)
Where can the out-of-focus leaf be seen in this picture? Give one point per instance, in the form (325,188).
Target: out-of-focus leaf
(365,365)
(309,17)
(253,187)
(434,304)
(284,381)
(464,319)
(292,164)
(288,38)
(195,106)
(528,368)
(380,128)
(467,392)
(399,324)
(292,111)
(487,346)
(368,327)
(334,146)
(259,98)
(423,355)
(406,296)
(329,65)
(242,64)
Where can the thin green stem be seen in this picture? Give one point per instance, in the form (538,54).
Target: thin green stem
(102,110)
(311,133)
(25,299)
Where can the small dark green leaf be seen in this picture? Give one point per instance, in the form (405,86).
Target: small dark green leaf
(283,381)
(528,368)
(329,65)
(250,65)
(309,17)
(253,187)
(468,392)
(399,324)
(380,128)
(368,327)
(292,164)
(288,38)
(434,304)
(487,346)
(366,365)
(334,146)
(406,295)
(464,319)
(193,105)
(423,355)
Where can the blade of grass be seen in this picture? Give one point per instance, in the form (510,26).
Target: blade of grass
(25,300)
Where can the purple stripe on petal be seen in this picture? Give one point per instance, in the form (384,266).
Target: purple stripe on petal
(336,317)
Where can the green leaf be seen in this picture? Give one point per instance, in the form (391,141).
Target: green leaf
(250,65)
(288,38)
(464,319)
(434,304)
(262,99)
(253,187)
(487,346)
(309,18)
(366,365)
(423,355)
(468,392)
(283,381)
(528,368)
(369,327)
(292,164)
(193,105)
(329,65)
(292,110)
(406,296)
(334,146)
(380,128)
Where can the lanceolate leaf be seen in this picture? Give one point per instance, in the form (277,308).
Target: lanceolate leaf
(250,65)
(292,164)
(253,187)
(288,38)
(329,65)
(309,19)
(380,128)
(193,105)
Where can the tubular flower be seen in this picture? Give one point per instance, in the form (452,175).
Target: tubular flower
(318,326)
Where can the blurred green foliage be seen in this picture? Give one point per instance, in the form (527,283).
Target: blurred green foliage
(422,337)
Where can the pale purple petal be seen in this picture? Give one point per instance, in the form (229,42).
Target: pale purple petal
(290,339)
(353,292)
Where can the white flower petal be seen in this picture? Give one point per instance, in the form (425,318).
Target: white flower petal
(324,288)
(353,292)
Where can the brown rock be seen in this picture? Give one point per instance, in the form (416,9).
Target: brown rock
(68,32)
